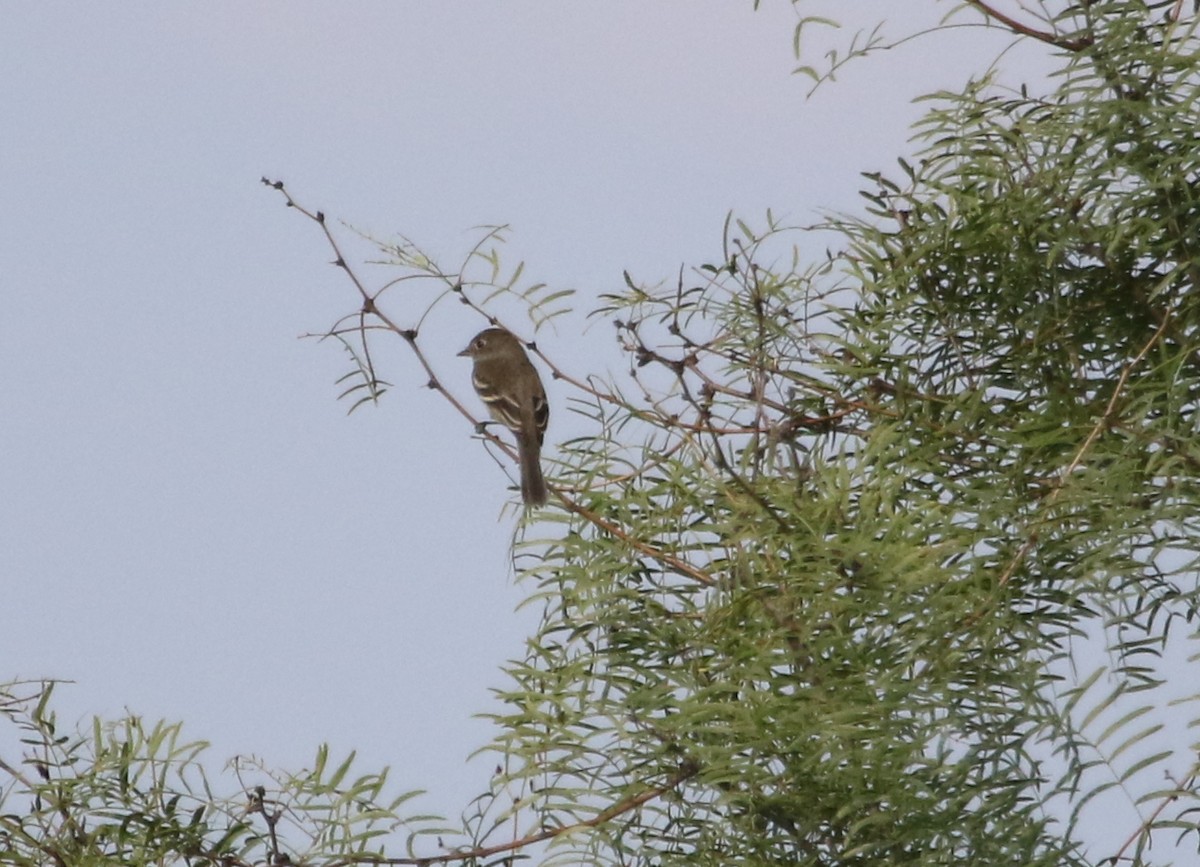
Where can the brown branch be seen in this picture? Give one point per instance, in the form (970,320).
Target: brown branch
(671,561)
(1016,26)
(17,775)
(1145,826)
(632,802)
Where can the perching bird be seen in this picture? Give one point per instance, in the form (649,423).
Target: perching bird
(510,387)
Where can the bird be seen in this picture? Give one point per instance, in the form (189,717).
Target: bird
(509,386)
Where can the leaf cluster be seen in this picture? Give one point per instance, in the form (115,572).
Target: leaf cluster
(127,792)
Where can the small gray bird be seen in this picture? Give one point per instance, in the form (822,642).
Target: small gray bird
(510,387)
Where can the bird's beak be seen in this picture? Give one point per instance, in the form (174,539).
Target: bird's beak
(465,352)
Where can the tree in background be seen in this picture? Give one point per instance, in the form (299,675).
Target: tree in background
(886,554)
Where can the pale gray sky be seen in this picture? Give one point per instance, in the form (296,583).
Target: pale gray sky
(191,526)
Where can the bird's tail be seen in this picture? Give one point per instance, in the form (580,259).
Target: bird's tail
(533,485)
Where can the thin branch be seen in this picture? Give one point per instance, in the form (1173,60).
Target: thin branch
(632,802)
(1101,424)
(1144,827)
(1049,37)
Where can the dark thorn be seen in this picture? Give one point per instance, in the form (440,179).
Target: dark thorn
(321,217)
(433,384)
(409,334)
(339,262)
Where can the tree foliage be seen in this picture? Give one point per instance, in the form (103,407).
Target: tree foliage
(883,552)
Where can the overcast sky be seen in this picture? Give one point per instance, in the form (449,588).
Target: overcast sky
(191,526)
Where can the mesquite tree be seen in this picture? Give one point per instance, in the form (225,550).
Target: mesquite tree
(887,554)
